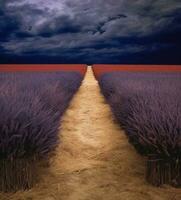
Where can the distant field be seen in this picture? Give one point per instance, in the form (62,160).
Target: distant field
(103,68)
(43,67)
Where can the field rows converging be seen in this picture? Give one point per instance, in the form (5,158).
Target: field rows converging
(94,160)
(147,105)
(32,104)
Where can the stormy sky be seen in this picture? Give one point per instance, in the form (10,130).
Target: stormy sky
(90,31)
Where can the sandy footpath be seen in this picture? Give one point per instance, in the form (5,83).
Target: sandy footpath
(94,160)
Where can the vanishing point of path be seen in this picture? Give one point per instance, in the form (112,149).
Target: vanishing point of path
(94,160)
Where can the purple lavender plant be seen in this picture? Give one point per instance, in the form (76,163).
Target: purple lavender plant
(148,107)
(31,105)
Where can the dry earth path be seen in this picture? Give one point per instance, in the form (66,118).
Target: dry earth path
(94,160)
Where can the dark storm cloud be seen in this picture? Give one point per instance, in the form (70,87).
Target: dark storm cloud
(93,31)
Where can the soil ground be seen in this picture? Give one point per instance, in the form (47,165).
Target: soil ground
(94,160)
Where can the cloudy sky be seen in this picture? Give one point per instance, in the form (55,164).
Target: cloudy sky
(90,31)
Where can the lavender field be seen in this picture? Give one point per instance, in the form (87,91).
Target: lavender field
(148,107)
(31,107)
(84,153)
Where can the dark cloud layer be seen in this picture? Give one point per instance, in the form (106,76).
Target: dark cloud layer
(90,31)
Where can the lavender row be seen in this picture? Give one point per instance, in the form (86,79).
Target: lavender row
(148,107)
(31,106)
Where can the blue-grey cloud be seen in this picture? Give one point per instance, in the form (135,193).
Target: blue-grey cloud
(93,31)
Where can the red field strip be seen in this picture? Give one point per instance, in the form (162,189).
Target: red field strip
(101,68)
(43,67)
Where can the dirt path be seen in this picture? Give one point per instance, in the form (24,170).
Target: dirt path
(95,160)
